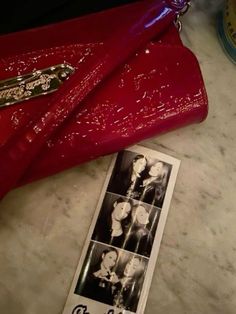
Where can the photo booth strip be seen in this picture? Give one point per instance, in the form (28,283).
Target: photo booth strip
(111,277)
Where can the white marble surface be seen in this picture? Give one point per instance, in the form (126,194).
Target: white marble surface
(43,225)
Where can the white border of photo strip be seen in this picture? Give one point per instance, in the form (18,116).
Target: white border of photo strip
(95,307)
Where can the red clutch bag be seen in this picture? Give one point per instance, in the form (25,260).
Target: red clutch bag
(123,90)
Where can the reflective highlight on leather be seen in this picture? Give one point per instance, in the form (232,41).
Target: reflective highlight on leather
(159,90)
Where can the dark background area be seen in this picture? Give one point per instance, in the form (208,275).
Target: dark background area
(19,15)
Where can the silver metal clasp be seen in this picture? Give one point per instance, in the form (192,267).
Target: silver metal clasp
(178,22)
(35,84)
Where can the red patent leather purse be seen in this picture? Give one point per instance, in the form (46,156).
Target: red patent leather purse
(132,79)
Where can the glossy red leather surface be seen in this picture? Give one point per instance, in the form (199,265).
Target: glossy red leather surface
(146,97)
(157,90)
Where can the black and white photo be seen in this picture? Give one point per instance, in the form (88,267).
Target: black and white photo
(127,174)
(118,259)
(141,233)
(127,224)
(98,276)
(140,177)
(112,276)
(128,288)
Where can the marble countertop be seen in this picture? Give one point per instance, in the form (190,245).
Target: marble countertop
(43,225)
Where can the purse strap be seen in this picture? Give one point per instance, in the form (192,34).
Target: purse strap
(178,22)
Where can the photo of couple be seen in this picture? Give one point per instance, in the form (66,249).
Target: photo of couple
(139,177)
(112,276)
(123,234)
(127,224)
(118,259)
